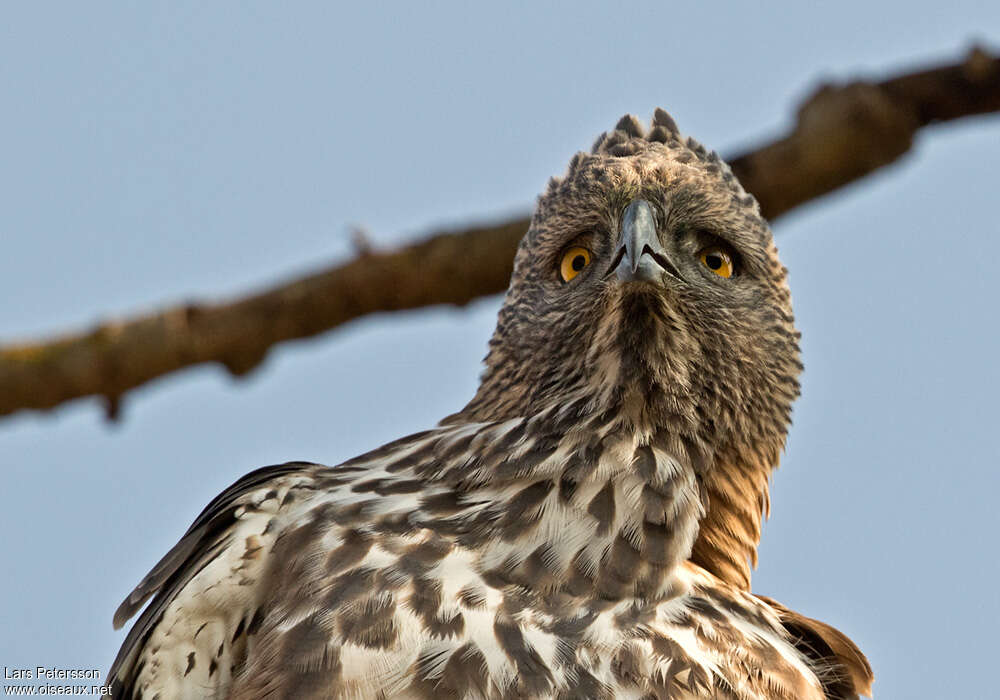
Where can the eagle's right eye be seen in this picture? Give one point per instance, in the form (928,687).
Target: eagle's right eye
(573,262)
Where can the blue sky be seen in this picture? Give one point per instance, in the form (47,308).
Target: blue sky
(156,153)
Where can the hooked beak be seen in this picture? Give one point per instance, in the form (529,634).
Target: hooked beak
(641,255)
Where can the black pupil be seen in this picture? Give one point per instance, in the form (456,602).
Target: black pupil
(578,262)
(713,261)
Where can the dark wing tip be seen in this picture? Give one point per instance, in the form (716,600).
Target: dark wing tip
(124,613)
(133,603)
(154,580)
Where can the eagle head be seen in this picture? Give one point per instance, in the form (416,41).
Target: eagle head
(648,290)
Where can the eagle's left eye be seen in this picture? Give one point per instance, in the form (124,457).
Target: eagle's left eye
(573,262)
(718,260)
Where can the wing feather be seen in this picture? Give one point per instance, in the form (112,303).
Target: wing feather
(210,535)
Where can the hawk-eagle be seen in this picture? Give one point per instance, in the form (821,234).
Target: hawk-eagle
(583,528)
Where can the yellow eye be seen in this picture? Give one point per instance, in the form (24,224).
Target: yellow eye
(718,261)
(573,261)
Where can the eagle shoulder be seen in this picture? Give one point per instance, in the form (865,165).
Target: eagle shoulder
(207,582)
(841,666)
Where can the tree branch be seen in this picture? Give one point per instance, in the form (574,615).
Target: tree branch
(842,133)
